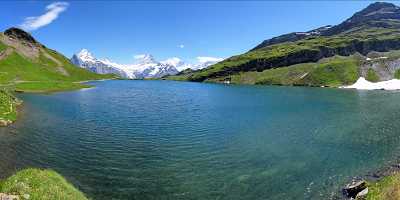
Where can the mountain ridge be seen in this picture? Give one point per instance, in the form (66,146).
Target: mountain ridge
(373,29)
(145,66)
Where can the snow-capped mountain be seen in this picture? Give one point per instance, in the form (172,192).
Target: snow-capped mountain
(177,63)
(144,66)
(85,60)
(203,62)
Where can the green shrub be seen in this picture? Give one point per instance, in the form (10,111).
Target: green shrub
(397,74)
(372,76)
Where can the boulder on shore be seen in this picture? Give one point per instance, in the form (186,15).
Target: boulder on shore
(353,189)
(8,197)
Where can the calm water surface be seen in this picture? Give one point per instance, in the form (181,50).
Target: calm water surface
(173,140)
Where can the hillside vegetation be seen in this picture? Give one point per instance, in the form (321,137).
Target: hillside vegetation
(300,58)
(37,184)
(26,65)
(388,188)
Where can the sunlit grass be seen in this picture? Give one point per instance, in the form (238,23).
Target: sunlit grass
(37,184)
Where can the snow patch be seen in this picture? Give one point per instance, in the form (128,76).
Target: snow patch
(363,84)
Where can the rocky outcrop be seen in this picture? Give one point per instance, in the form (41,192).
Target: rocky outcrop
(363,194)
(21,35)
(383,66)
(22,42)
(353,189)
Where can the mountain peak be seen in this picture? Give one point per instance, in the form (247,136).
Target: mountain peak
(144,59)
(378,10)
(173,61)
(84,54)
(378,6)
(377,15)
(20,34)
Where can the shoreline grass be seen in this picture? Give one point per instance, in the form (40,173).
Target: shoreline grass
(387,188)
(40,184)
(8,107)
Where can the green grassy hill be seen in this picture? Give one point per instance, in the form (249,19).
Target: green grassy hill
(301,58)
(26,65)
(37,184)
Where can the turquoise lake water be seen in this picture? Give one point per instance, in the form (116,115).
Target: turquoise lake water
(177,140)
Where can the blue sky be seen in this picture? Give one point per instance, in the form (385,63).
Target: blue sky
(184,29)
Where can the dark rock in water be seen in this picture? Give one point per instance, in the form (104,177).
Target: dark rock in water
(353,189)
(20,34)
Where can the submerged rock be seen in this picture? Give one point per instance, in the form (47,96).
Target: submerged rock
(352,190)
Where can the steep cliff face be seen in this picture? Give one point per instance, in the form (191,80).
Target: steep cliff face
(374,29)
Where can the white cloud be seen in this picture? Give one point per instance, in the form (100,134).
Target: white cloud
(181,46)
(206,59)
(52,12)
(139,56)
(200,62)
(175,61)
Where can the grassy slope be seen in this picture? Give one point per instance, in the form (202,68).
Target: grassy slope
(40,185)
(41,75)
(283,50)
(372,76)
(331,72)
(386,189)
(38,75)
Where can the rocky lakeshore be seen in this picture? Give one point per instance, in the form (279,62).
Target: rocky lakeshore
(383,183)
